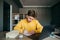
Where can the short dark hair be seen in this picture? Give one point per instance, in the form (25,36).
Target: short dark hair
(31,13)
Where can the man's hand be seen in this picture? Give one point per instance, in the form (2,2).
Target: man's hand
(32,32)
(28,33)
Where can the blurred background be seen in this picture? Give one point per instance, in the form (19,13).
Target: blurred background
(12,11)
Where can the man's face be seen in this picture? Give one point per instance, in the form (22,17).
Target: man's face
(29,18)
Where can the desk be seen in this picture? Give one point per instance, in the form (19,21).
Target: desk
(2,37)
(49,38)
(25,38)
(14,39)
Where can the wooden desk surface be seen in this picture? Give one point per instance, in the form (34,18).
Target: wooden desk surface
(25,38)
(50,38)
(14,39)
(2,37)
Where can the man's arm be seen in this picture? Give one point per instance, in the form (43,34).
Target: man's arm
(19,27)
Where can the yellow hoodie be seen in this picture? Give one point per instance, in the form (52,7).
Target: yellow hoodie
(29,26)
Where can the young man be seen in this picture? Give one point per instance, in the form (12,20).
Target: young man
(29,24)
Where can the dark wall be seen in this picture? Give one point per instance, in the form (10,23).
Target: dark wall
(56,14)
(15,8)
(6,16)
(1,15)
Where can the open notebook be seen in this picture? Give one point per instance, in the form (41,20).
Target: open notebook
(15,33)
(12,34)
